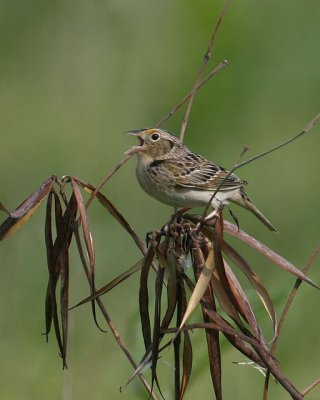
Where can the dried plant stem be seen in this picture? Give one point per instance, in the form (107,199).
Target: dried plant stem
(124,348)
(284,314)
(214,72)
(315,121)
(203,66)
(105,180)
(310,387)
(292,295)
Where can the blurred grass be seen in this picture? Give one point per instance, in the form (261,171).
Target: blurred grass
(73,77)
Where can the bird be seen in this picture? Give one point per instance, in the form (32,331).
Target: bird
(171,173)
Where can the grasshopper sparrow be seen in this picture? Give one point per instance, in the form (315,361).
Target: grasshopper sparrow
(168,171)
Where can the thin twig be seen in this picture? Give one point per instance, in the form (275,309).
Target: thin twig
(105,180)
(310,387)
(204,63)
(214,72)
(284,314)
(124,348)
(292,294)
(315,121)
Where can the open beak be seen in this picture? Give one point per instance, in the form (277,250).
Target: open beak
(139,147)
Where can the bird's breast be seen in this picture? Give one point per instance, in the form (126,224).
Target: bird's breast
(160,183)
(155,180)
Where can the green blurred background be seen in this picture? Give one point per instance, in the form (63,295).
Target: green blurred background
(75,75)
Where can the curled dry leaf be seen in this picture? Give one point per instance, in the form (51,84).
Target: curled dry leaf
(242,302)
(254,280)
(85,227)
(26,209)
(227,306)
(58,266)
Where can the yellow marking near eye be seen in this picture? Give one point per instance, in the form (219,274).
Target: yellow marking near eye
(150,131)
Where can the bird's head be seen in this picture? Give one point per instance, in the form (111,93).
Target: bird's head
(154,143)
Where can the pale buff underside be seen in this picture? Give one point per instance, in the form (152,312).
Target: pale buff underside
(166,191)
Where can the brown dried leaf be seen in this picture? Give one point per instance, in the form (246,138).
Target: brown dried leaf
(64,300)
(88,245)
(24,211)
(224,301)
(61,268)
(241,345)
(144,297)
(170,264)
(236,338)
(186,363)
(231,292)
(106,203)
(84,257)
(50,262)
(157,335)
(243,302)
(224,327)
(267,252)
(254,280)
(85,228)
(273,367)
(54,267)
(181,308)
(213,344)
(57,257)
(264,358)
(116,281)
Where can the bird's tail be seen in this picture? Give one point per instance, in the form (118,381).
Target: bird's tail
(245,202)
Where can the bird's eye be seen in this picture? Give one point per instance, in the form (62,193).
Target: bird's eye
(155,137)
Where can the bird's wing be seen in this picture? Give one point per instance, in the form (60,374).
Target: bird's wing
(203,175)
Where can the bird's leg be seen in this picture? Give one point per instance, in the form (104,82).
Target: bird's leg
(208,218)
(175,218)
(212,215)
